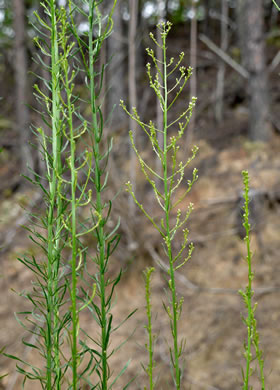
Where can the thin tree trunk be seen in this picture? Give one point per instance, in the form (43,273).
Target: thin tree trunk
(133,11)
(206,19)
(166,8)
(258,128)
(253,53)
(222,66)
(193,80)
(20,61)
(242,29)
(116,71)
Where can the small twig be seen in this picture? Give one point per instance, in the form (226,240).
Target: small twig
(219,108)
(274,63)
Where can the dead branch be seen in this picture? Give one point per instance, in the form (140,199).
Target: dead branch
(224,56)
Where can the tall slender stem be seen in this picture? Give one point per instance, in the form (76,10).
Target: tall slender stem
(250,321)
(75,318)
(193,64)
(167,212)
(99,205)
(150,345)
(55,206)
(249,292)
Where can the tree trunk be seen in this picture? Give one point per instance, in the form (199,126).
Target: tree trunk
(20,61)
(116,72)
(222,66)
(193,80)
(133,12)
(251,16)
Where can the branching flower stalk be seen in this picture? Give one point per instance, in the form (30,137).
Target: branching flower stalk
(247,295)
(173,177)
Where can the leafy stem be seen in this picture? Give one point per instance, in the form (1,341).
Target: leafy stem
(247,295)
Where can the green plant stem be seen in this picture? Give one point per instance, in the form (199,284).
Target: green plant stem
(168,230)
(248,294)
(99,205)
(250,321)
(74,256)
(250,317)
(75,317)
(276,5)
(150,346)
(52,341)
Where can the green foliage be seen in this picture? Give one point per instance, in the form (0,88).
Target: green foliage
(73,180)
(247,295)
(169,180)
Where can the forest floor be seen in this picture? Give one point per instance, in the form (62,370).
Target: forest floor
(211,319)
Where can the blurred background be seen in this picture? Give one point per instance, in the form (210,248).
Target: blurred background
(233,47)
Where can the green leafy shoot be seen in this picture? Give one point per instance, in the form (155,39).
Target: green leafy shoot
(247,295)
